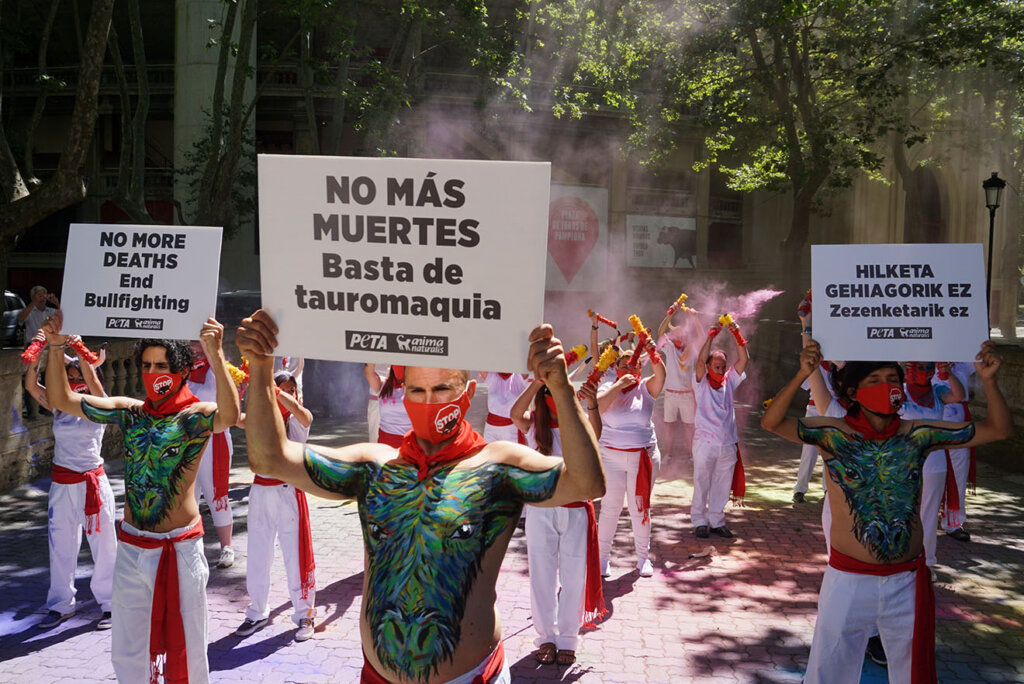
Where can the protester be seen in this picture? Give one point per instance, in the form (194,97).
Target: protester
(393,420)
(503,389)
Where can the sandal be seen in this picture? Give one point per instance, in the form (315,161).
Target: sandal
(545,655)
(566,657)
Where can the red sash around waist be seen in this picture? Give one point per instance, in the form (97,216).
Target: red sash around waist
(167,631)
(307,563)
(644,481)
(93,500)
(495,420)
(492,669)
(389,438)
(593,602)
(922,666)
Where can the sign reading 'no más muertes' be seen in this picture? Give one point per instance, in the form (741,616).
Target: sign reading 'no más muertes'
(405,261)
(140,281)
(899,302)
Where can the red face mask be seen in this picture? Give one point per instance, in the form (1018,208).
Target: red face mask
(437,422)
(716,379)
(79,388)
(883,398)
(159,386)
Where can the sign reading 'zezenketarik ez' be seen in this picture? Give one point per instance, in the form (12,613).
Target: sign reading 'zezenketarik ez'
(899,302)
(421,262)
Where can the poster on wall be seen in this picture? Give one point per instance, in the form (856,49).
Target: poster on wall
(661,241)
(419,262)
(577,238)
(140,281)
(899,302)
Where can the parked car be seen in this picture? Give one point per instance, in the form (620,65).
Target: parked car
(12,333)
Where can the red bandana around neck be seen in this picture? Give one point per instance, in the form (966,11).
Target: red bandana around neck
(921,394)
(178,401)
(465,443)
(860,423)
(716,380)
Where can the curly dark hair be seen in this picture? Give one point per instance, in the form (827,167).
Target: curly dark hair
(850,375)
(179,353)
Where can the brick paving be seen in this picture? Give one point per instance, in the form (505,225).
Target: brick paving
(742,614)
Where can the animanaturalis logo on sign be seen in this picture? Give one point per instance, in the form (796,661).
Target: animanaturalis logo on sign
(398,343)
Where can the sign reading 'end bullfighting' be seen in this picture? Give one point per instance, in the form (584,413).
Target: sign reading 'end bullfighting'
(899,302)
(404,261)
(140,281)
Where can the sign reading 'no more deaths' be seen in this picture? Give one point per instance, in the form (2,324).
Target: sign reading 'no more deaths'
(406,261)
(140,281)
(899,302)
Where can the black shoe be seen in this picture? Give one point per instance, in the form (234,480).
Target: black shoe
(53,618)
(798,497)
(875,652)
(250,627)
(960,534)
(701,531)
(722,531)
(105,621)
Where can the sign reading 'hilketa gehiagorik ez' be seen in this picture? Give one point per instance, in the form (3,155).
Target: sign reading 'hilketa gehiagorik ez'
(899,302)
(140,281)
(406,261)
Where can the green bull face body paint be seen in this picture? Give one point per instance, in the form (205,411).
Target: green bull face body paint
(425,541)
(158,453)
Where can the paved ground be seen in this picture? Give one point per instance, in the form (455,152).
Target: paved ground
(743,614)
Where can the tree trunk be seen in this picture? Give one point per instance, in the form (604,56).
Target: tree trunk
(37,111)
(306,72)
(66,187)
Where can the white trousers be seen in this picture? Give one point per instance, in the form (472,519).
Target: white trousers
(933,486)
(66,520)
(713,466)
(503,677)
(808,459)
(851,609)
(620,469)
(556,547)
(373,418)
(961,459)
(497,433)
(204,484)
(274,512)
(134,583)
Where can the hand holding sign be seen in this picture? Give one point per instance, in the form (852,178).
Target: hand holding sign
(257,338)
(810,358)
(212,337)
(547,359)
(987,362)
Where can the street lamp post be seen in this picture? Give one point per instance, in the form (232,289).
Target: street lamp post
(993,186)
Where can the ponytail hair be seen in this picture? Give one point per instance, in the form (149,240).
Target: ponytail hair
(542,421)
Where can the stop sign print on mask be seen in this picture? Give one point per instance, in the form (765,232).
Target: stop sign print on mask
(573,229)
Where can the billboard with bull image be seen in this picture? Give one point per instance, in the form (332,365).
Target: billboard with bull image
(661,241)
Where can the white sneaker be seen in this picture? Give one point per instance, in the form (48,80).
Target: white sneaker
(646,569)
(227,557)
(305,630)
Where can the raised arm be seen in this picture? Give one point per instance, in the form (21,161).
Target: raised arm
(228,410)
(339,473)
(743,356)
(998,424)
(588,393)
(58,392)
(292,405)
(520,412)
(776,418)
(32,386)
(956,389)
(656,382)
(582,476)
(606,397)
(372,379)
(700,367)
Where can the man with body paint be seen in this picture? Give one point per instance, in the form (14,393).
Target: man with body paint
(877,576)
(160,574)
(437,512)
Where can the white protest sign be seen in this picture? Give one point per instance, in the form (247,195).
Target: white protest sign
(405,261)
(899,302)
(140,281)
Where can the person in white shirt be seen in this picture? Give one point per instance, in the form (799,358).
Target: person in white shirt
(629,452)
(715,439)
(680,408)
(80,498)
(502,391)
(380,372)
(41,306)
(279,510)
(962,460)
(394,421)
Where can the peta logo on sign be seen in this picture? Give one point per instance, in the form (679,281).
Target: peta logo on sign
(396,343)
(163,384)
(447,418)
